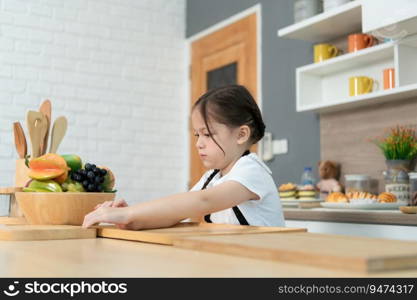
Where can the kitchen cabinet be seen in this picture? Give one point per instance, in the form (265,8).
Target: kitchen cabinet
(395,18)
(324,86)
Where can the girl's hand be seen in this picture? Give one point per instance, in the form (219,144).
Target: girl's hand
(114,215)
(116,203)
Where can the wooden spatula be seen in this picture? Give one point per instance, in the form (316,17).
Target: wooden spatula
(46,110)
(58,132)
(19,139)
(33,121)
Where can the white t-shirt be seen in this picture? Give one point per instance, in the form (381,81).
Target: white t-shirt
(253,174)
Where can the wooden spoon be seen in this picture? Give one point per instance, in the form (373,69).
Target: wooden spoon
(43,128)
(46,110)
(33,122)
(58,132)
(19,139)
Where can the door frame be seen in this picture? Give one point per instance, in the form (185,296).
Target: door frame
(257,9)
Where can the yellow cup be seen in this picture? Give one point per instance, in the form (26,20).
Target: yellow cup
(324,51)
(360,85)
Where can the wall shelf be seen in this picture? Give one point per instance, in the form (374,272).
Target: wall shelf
(378,97)
(328,25)
(350,60)
(324,86)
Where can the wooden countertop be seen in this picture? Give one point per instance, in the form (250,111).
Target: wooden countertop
(391,217)
(116,258)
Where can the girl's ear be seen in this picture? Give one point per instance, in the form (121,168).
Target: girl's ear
(243,134)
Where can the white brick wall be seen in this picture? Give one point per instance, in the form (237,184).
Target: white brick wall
(116,70)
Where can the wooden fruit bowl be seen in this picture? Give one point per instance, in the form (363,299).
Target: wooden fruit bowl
(59,208)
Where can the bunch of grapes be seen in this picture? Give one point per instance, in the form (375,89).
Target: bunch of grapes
(90,177)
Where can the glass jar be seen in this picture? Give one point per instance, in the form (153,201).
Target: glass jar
(413,188)
(4,205)
(397,181)
(5,202)
(357,183)
(8,204)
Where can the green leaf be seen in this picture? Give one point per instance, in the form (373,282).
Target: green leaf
(27,160)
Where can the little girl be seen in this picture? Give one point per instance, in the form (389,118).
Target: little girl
(237,189)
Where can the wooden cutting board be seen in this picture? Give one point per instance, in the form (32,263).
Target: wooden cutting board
(408,209)
(167,236)
(12,220)
(15,231)
(322,250)
(45,232)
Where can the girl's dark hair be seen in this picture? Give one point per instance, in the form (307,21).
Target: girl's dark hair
(233,106)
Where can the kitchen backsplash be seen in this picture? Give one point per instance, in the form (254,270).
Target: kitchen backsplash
(345,135)
(116,70)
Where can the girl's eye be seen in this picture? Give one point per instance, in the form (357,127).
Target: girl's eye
(205,134)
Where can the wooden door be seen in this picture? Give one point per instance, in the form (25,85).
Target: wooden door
(227,56)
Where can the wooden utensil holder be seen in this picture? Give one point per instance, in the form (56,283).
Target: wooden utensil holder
(21,175)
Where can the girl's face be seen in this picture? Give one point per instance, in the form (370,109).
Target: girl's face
(228,138)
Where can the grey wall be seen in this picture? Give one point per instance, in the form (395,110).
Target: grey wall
(280,57)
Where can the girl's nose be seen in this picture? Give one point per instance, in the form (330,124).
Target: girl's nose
(199,144)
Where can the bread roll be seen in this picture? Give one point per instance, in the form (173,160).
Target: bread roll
(337,197)
(387,198)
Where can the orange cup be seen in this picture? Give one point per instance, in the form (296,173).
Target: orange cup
(389,79)
(360,41)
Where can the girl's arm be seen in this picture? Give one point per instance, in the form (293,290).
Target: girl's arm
(168,211)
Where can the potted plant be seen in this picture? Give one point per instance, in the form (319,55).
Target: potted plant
(399,147)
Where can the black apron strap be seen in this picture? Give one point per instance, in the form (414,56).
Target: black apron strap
(240,217)
(207,218)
